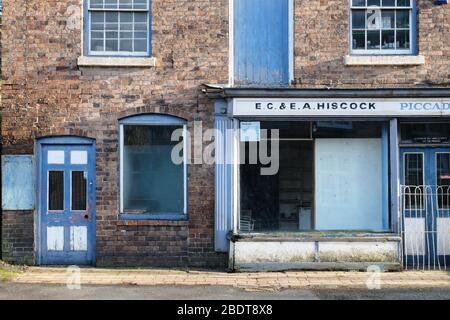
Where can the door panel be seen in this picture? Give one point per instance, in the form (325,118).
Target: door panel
(67,204)
(425,178)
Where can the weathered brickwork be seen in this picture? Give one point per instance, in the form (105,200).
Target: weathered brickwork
(322,42)
(45,93)
(18,237)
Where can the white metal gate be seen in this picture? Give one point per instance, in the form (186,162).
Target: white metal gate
(425,226)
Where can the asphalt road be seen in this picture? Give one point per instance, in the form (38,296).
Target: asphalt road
(15,291)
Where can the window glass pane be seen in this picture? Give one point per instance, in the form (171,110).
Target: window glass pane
(359,39)
(97,17)
(97,45)
(56,190)
(79,190)
(152,182)
(126,4)
(140,4)
(388,3)
(388,19)
(358,19)
(425,133)
(110,4)
(388,39)
(140,17)
(403,3)
(413,191)
(126,35)
(111,17)
(111,45)
(126,45)
(140,45)
(373,2)
(402,18)
(443,179)
(112,35)
(96,4)
(126,17)
(358,3)
(373,39)
(403,39)
(111,26)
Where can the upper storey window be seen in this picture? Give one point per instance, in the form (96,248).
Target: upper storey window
(382,26)
(118,27)
(262,42)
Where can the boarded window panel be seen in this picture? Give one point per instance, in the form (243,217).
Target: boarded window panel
(348,184)
(17,182)
(79,190)
(261,42)
(56,190)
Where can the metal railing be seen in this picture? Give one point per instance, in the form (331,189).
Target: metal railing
(425,227)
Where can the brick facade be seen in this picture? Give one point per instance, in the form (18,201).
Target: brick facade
(18,236)
(322,42)
(45,93)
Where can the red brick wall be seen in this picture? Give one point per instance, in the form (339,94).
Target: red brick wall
(18,237)
(322,42)
(45,93)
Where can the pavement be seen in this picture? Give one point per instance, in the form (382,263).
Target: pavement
(162,284)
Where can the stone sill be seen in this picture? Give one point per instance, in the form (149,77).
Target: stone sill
(381,60)
(316,236)
(127,62)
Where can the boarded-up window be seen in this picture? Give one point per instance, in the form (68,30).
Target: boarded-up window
(261,42)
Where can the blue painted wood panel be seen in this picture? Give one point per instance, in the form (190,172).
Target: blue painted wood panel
(18,182)
(66,234)
(261,42)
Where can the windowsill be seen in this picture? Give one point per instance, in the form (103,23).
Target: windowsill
(384,60)
(159,216)
(127,62)
(317,236)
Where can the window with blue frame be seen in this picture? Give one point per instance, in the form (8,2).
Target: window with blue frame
(382,26)
(262,42)
(118,27)
(152,174)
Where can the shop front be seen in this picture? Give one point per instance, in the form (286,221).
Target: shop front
(320,180)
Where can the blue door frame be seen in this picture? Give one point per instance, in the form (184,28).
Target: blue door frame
(66,229)
(431,209)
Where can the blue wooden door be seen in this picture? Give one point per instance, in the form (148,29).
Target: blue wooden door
(261,42)
(67,204)
(425,176)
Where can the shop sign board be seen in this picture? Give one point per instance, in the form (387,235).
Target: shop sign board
(340,107)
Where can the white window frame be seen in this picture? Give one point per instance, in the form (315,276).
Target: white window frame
(412,26)
(118,53)
(185,160)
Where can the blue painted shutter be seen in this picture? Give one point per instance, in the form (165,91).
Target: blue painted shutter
(261,42)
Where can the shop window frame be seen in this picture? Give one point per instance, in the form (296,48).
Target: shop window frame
(389,229)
